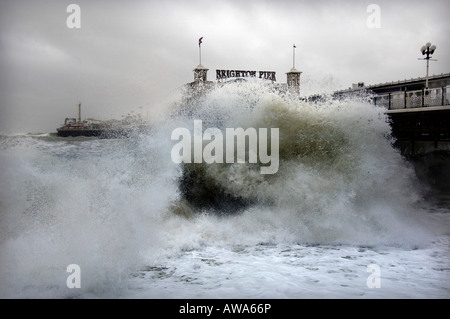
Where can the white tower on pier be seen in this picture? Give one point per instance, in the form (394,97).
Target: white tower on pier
(200,73)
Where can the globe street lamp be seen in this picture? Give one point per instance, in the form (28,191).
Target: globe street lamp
(427,50)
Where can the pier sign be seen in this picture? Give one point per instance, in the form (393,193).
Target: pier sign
(225,74)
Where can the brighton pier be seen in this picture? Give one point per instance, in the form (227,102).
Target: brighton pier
(418,109)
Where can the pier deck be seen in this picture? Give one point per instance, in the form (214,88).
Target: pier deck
(419,116)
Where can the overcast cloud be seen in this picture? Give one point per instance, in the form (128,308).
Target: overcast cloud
(133,55)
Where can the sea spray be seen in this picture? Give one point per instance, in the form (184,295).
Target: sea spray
(119,210)
(332,154)
(77,201)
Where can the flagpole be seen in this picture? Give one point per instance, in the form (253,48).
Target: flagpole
(293,56)
(200,50)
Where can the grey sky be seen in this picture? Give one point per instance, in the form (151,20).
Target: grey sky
(133,55)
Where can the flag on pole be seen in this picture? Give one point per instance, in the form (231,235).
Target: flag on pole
(200,41)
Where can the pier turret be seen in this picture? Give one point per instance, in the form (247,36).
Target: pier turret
(293,80)
(200,73)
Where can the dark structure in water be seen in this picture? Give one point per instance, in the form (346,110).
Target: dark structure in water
(102,129)
(73,128)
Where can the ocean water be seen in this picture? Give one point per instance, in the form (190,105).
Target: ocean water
(139,225)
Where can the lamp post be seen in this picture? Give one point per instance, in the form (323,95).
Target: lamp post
(427,50)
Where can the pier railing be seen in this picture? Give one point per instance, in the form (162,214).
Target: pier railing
(413,99)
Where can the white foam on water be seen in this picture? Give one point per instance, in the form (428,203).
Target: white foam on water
(343,198)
